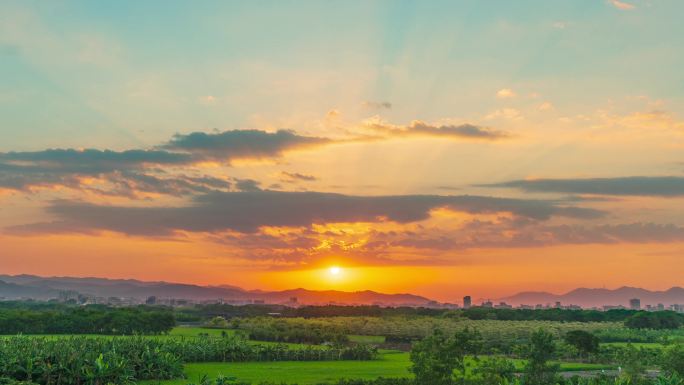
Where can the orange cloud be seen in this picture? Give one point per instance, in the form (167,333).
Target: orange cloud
(622,5)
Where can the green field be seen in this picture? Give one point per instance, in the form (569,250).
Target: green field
(391,364)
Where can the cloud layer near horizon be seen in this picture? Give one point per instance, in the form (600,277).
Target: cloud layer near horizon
(238,212)
(148,170)
(252,209)
(663,186)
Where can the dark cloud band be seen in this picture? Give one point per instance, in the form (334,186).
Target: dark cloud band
(241,144)
(663,186)
(249,210)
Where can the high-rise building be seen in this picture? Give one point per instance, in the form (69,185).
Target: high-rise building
(635,304)
(467,302)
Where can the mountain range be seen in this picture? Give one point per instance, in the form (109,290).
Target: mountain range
(31,286)
(598,297)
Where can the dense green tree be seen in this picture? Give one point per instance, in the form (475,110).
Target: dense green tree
(218,322)
(583,341)
(93,319)
(655,320)
(494,370)
(632,364)
(673,360)
(540,350)
(436,357)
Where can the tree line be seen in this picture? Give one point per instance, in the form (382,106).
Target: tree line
(91,319)
(649,320)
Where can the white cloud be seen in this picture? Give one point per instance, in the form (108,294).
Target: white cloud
(505,113)
(505,93)
(546,106)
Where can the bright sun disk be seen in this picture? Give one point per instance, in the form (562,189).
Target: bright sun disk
(335,270)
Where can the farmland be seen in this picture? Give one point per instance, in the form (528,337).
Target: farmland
(327,349)
(390,364)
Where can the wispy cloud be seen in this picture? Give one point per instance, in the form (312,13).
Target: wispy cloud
(420,128)
(546,106)
(295,176)
(377,105)
(622,5)
(145,170)
(664,186)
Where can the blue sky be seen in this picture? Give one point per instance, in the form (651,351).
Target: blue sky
(71,64)
(432,116)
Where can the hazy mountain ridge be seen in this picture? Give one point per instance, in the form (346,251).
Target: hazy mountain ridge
(12,290)
(49,287)
(587,297)
(30,286)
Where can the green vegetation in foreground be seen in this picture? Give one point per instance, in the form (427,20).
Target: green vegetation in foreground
(391,364)
(181,332)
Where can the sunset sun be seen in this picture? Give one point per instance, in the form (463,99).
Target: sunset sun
(335,270)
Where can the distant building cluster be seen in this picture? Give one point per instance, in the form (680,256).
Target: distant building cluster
(634,304)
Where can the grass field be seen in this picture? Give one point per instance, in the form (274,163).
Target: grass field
(392,364)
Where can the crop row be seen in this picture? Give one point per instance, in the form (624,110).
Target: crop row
(99,361)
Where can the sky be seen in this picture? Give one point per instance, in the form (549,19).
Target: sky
(442,148)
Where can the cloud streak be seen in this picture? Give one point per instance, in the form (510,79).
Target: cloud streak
(124,171)
(662,186)
(420,128)
(621,5)
(377,105)
(295,176)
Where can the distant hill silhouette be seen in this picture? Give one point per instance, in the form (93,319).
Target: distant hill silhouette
(31,286)
(599,297)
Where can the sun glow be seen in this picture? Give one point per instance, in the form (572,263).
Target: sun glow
(335,270)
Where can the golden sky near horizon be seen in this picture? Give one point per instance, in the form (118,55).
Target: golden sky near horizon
(442,149)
